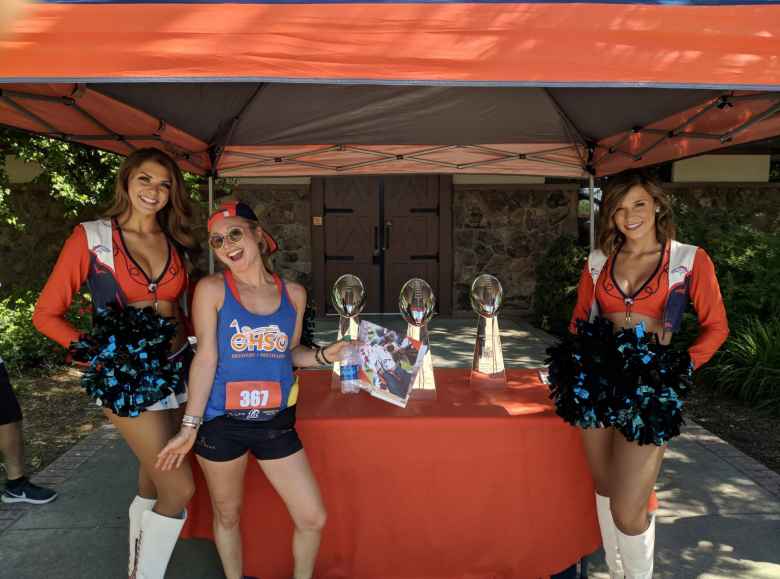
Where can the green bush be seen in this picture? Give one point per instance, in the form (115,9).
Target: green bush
(748,367)
(557,275)
(307,327)
(22,347)
(747,259)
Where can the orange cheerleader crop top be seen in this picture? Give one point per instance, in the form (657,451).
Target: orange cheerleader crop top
(685,274)
(95,253)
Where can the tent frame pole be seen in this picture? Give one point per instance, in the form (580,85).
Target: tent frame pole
(592,209)
(211,210)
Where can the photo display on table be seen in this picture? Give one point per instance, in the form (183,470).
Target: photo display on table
(391,362)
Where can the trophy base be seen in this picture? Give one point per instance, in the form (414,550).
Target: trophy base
(335,381)
(495,381)
(424,385)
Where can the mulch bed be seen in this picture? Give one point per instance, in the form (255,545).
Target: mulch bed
(57,414)
(753,432)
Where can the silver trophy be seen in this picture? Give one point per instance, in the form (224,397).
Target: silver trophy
(349,298)
(487,370)
(417,303)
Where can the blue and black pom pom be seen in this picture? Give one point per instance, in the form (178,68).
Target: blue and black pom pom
(127,353)
(626,380)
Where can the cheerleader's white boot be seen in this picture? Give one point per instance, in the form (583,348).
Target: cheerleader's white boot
(609,537)
(137,508)
(155,545)
(637,552)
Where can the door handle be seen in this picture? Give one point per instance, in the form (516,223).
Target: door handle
(376,240)
(388,227)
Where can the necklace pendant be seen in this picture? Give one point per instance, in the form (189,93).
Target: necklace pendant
(152,287)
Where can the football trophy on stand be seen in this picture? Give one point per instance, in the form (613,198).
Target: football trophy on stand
(417,302)
(349,299)
(487,369)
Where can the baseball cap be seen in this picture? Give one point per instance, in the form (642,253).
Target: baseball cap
(241,209)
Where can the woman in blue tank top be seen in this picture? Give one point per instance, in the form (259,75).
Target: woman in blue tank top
(242,390)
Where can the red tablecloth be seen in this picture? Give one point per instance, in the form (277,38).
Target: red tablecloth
(473,485)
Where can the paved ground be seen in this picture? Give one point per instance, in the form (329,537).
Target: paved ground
(719,517)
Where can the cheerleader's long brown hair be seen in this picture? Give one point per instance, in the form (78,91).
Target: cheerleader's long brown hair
(175,218)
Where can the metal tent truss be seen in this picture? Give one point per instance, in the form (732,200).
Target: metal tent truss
(349,159)
(78,113)
(728,119)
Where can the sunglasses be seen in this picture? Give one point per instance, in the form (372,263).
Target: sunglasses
(234,235)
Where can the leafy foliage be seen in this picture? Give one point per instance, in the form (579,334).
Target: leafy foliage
(20,343)
(747,259)
(22,347)
(76,174)
(307,328)
(557,274)
(749,366)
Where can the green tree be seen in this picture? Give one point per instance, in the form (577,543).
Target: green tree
(76,174)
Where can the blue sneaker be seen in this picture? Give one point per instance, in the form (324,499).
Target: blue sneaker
(27,492)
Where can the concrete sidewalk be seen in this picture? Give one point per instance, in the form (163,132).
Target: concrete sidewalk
(719,516)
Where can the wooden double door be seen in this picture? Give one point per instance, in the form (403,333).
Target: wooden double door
(385,230)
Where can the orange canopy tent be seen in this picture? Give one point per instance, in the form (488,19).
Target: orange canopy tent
(334,87)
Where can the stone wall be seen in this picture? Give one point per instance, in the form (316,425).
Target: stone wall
(502,230)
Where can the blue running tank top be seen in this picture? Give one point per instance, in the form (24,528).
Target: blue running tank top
(254,378)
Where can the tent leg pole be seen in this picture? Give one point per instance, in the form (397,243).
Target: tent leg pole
(592,208)
(211,210)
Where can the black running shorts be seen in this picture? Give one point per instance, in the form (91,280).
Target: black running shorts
(10,411)
(224,438)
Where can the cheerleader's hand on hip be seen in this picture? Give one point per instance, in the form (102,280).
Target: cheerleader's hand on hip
(172,455)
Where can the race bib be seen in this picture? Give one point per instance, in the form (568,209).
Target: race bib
(252,400)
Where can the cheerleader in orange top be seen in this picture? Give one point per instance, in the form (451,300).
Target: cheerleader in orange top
(616,376)
(137,353)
